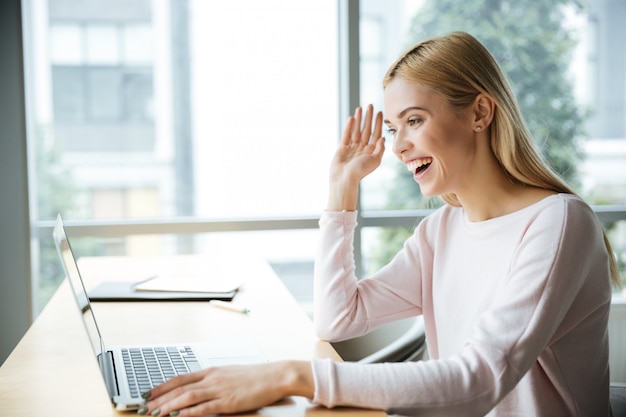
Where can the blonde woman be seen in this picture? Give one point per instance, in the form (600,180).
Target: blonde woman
(512,276)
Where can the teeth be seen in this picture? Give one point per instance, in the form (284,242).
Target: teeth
(416,163)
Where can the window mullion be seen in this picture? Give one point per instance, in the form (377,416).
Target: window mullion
(349,88)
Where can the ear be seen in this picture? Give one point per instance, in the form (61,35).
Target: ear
(483,110)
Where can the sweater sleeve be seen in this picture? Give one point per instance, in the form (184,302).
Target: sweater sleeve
(551,293)
(345,307)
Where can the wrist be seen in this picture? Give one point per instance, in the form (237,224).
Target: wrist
(297,379)
(342,196)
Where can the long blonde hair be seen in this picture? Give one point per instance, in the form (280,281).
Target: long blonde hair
(458,68)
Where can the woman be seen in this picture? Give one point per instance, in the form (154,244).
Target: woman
(512,275)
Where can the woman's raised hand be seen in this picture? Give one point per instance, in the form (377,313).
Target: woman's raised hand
(359,153)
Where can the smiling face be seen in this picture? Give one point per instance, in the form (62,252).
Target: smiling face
(436,142)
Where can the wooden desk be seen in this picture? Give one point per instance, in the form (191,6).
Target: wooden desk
(53,372)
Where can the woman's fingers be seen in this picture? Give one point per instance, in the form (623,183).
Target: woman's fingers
(347,131)
(358,130)
(378,126)
(173,384)
(197,400)
(366,133)
(184,392)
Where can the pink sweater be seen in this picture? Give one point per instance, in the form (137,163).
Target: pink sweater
(515,310)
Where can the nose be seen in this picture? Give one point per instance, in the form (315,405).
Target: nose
(400,143)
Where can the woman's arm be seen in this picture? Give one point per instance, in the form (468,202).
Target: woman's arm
(345,307)
(336,297)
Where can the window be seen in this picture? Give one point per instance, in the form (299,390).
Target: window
(171,111)
(199,118)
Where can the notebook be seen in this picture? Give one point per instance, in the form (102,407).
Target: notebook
(128,291)
(117,363)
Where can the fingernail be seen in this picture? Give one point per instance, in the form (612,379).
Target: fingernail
(142,410)
(174,413)
(156,412)
(146,395)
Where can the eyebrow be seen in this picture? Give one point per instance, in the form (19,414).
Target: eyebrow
(405,111)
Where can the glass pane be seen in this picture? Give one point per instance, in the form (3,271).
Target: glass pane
(137,44)
(566,62)
(267,106)
(137,95)
(162,108)
(380,245)
(102,44)
(66,45)
(228,117)
(104,87)
(68,94)
(617,235)
(569,74)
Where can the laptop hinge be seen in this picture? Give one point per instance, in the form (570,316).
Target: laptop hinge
(108,371)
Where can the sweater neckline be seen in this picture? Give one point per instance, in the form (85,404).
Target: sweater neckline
(510,217)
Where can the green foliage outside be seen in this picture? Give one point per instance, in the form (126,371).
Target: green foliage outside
(529,40)
(55,194)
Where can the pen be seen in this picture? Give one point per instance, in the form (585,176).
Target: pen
(229,306)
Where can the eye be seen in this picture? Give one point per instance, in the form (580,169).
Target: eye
(414,121)
(390,132)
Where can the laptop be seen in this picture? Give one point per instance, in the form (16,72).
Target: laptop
(128,371)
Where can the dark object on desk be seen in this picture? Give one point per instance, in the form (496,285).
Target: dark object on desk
(125,291)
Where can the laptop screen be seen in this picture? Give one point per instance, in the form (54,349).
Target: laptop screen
(77,286)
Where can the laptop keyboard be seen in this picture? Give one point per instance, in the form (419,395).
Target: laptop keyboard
(147,367)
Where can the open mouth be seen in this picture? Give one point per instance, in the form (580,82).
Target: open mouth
(418,166)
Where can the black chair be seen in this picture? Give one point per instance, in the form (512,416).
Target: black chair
(396,342)
(618,399)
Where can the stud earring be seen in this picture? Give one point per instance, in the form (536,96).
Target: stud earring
(477,128)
